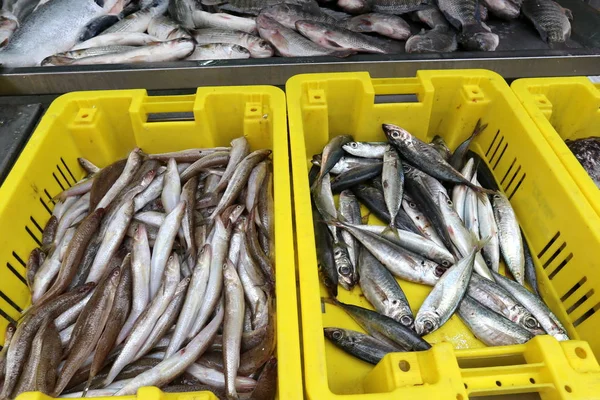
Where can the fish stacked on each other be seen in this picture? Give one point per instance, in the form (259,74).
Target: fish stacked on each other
(157,270)
(444,230)
(79,32)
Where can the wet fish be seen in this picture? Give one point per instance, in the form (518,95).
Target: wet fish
(489,327)
(203,19)
(549,18)
(136,22)
(391,26)
(288,43)
(365,149)
(431,16)
(117,39)
(530,271)
(219,51)
(266,384)
(509,234)
(253,7)
(232,326)
(505,9)
(458,157)
(341,39)
(488,228)
(382,290)
(347,275)
(355,176)
(8,25)
(444,298)
(257,47)
(349,210)
(325,260)
(164,28)
(466,16)
(69,57)
(288,14)
(45,33)
(359,345)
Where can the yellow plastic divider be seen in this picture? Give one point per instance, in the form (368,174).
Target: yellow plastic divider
(561,229)
(104,126)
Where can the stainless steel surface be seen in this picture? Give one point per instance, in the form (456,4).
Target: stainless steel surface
(521,53)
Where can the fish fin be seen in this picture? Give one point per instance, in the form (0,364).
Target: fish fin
(331,300)
(480,244)
(568,13)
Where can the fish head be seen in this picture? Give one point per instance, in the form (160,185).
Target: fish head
(344,267)
(444,202)
(396,310)
(261,48)
(396,134)
(334,334)
(426,322)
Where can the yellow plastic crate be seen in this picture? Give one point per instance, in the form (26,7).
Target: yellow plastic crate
(104,126)
(564,108)
(562,230)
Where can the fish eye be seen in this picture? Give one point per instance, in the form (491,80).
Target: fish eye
(344,270)
(449,202)
(411,204)
(354,145)
(530,322)
(446,263)
(488,263)
(496,196)
(428,326)
(406,320)
(394,302)
(439,271)
(395,134)
(337,253)
(337,335)
(422,262)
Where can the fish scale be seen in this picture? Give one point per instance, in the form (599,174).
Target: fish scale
(549,18)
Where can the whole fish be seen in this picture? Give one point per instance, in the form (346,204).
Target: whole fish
(549,18)
(216,378)
(489,327)
(257,47)
(365,149)
(176,49)
(392,179)
(337,38)
(8,334)
(253,7)
(116,39)
(466,16)
(497,299)
(53,28)
(359,345)
(219,51)
(97,26)
(388,25)
(509,235)
(423,156)
(288,43)
(488,228)
(431,16)
(385,328)
(288,14)
(400,262)
(232,326)
(88,328)
(382,290)
(136,22)
(535,305)
(164,28)
(355,176)
(530,271)
(69,57)
(325,260)
(203,19)
(35,260)
(445,296)
(471,210)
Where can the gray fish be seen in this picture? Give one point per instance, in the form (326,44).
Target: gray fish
(444,298)
(203,19)
(53,28)
(164,28)
(433,186)
(182,11)
(488,228)
(347,163)
(116,39)
(384,328)
(365,149)
(489,327)
(257,47)
(349,210)
(505,9)
(440,39)
(97,26)
(8,25)
(530,271)
(497,299)
(291,44)
(332,154)
(509,234)
(325,261)
(392,180)
(219,51)
(355,176)
(136,22)
(340,39)
(535,305)
(424,156)
(359,345)
(288,14)
(253,7)
(347,275)
(391,26)
(549,18)
(69,57)
(431,16)
(382,290)
(397,6)
(440,145)
(459,192)
(465,15)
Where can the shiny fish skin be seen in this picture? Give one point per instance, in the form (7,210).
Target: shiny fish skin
(45,33)
(105,179)
(288,43)
(349,210)
(171,50)
(164,28)
(488,228)
(325,261)
(459,192)
(134,161)
(340,39)
(420,220)
(117,39)
(171,187)
(216,379)
(535,305)
(257,47)
(471,212)
(489,327)
(219,51)
(509,234)
(365,149)
(359,345)
(137,22)
(203,19)
(458,157)
(215,159)
(240,148)
(549,18)
(288,14)
(233,326)
(391,26)
(381,289)
(445,296)
(530,271)
(392,179)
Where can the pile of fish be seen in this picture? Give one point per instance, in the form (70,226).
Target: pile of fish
(156,270)
(587,152)
(443,230)
(78,32)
